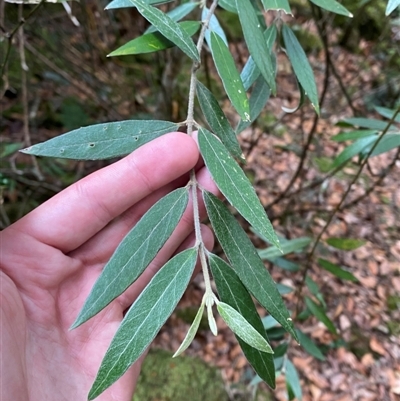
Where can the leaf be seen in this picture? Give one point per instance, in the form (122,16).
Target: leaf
(191,332)
(290,246)
(213,26)
(292,379)
(309,346)
(319,313)
(135,252)
(301,66)
(228,5)
(144,319)
(353,150)
(351,135)
(128,3)
(234,184)
(242,328)
(245,260)
(336,270)
(216,119)
(269,322)
(391,6)
(102,141)
(168,27)
(346,244)
(255,40)
(153,42)
(177,13)
(229,75)
(231,291)
(258,99)
(387,143)
(333,6)
(369,123)
(277,5)
(7,149)
(286,264)
(387,113)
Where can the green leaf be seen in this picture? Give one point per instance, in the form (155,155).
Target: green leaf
(102,141)
(245,260)
(353,150)
(333,6)
(168,27)
(228,5)
(387,113)
(135,252)
(153,42)
(7,149)
(288,246)
(217,121)
(301,66)
(242,328)
(177,13)
(351,135)
(128,3)
(234,184)
(286,264)
(391,6)
(277,5)
(231,291)
(255,40)
(369,123)
(269,322)
(213,26)
(309,346)
(191,332)
(293,380)
(229,75)
(258,99)
(346,244)
(336,270)
(144,319)
(387,143)
(320,314)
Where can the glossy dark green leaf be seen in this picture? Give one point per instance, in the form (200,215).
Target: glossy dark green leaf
(346,244)
(242,328)
(144,319)
(217,121)
(177,13)
(287,246)
(168,27)
(255,40)
(336,270)
(352,135)
(129,3)
(301,66)
(135,252)
(153,42)
(333,6)
(353,150)
(234,184)
(320,314)
(229,75)
(258,99)
(213,26)
(231,291)
(245,260)
(309,346)
(391,6)
(293,380)
(277,5)
(102,141)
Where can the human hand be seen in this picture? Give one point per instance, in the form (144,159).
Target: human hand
(51,258)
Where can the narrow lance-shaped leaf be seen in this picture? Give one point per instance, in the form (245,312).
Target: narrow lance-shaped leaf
(301,66)
(153,42)
(135,252)
(245,261)
(277,5)
(128,3)
(234,184)
(320,314)
(353,135)
(293,380)
(370,123)
(254,37)
(213,26)
(290,246)
(102,141)
(228,5)
(336,270)
(242,328)
(346,244)
(229,75)
(391,6)
(309,346)
(168,27)
(217,120)
(232,292)
(333,6)
(144,319)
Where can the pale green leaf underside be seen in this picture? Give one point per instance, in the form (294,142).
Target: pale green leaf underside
(288,246)
(245,261)
(128,3)
(153,42)
(242,328)
(217,120)
(228,5)
(234,184)
(102,141)
(301,66)
(213,26)
(255,40)
(135,252)
(144,319)
(232,291)
(229,76)
(293,380)
(168,27)
(277,5)
(333,6)
(391,6)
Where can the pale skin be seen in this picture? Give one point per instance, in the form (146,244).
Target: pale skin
(50,259)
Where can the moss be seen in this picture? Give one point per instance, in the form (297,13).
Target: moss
(178,379)
(394,328)
(393,302)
